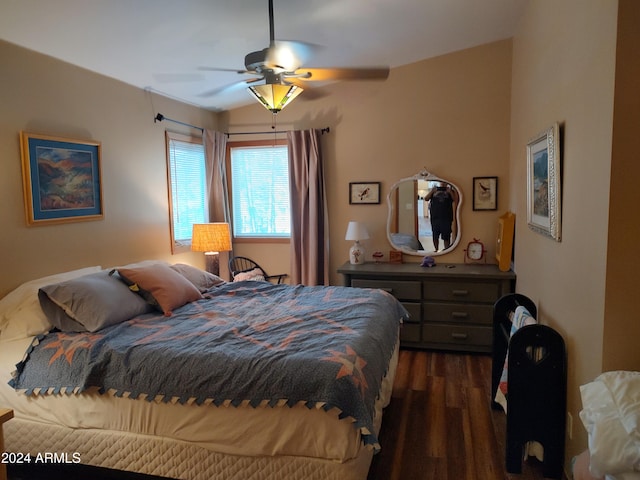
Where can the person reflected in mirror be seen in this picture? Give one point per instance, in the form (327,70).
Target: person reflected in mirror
(441,199)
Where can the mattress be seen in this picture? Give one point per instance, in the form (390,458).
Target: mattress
(186,441)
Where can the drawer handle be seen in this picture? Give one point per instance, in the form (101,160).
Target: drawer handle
(460,293)
(459,314)
(459,336)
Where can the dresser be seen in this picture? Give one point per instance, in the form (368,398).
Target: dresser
(450,305)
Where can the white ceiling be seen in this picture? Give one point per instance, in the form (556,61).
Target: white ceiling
(160,44)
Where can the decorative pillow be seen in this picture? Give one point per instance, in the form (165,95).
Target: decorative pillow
(201,279)
(90,303)
(255,274)
(20,312)
(161,286)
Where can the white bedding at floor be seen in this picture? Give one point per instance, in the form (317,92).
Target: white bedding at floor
(245,431)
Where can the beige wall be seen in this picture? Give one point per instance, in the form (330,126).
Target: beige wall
(564,70)
(42,95)
(449,114)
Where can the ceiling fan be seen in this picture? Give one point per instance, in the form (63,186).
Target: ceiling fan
(278,75)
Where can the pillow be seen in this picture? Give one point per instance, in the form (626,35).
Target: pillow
(255,274)
(161,286)
(202,280)
(20,312)
(406,240)
(90,303)
(610,416)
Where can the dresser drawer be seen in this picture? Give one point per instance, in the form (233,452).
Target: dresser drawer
(415,312)
(461,291)
(401,289)
(410,332)
(462,313)
(457,335)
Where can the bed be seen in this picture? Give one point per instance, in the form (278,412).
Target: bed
(611,416)
(166,370)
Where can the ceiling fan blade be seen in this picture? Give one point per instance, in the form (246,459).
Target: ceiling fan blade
(326,74)
(216,69)
(230,88)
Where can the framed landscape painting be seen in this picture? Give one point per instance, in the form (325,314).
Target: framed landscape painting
(543,183)
(61,179)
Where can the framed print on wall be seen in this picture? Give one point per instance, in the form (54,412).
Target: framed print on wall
(364,192)
(61,179)
(485,193)
(543,182)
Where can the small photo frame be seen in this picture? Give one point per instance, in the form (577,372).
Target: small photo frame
(364,192)
(543,182)
(61,179)
(485,193)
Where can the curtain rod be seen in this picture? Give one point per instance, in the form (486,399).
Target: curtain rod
(159,118)
(322,131)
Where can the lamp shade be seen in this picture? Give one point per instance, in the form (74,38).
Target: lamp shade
(211,237)
(274,96)
(356,231)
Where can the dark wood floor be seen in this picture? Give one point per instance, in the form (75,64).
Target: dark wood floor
(440,425)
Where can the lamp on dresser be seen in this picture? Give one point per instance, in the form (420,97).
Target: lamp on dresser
(211,238)
(356,231)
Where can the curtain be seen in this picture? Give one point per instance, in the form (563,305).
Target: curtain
(309,223)
(215,148)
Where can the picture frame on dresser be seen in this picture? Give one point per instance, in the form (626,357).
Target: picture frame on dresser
(61,179)
(543,183)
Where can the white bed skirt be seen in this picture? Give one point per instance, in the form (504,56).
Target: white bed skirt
(171,458)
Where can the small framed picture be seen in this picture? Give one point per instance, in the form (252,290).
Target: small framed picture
(364,192)
(485,193)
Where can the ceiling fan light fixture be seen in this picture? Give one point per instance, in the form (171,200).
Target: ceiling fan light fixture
(274,97)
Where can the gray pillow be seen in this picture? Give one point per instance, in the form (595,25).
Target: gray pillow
(202,279)
(90,303)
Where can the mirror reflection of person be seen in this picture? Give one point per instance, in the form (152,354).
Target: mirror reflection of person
(441,199)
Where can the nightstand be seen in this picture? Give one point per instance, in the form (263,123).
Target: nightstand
(5,415)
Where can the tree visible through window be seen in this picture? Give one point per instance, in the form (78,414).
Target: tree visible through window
(260,189)
(187,185)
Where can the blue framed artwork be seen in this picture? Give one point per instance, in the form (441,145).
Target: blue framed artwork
(61,179)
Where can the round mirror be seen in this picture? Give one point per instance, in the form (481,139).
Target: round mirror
(424,215)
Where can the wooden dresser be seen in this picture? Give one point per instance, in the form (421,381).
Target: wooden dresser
(451,305)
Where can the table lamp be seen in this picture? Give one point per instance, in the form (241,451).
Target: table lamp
(211,238)
(356,231)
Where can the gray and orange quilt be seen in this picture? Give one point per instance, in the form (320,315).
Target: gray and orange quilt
(245,342)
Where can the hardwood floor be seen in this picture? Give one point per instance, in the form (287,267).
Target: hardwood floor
(440,425)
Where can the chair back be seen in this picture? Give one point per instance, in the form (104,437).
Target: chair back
(242,264)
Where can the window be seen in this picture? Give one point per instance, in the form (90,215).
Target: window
(187,184)
(259,174)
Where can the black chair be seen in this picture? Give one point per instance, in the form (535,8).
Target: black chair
(244,264)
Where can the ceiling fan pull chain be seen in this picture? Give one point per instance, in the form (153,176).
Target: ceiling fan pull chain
(273,127)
